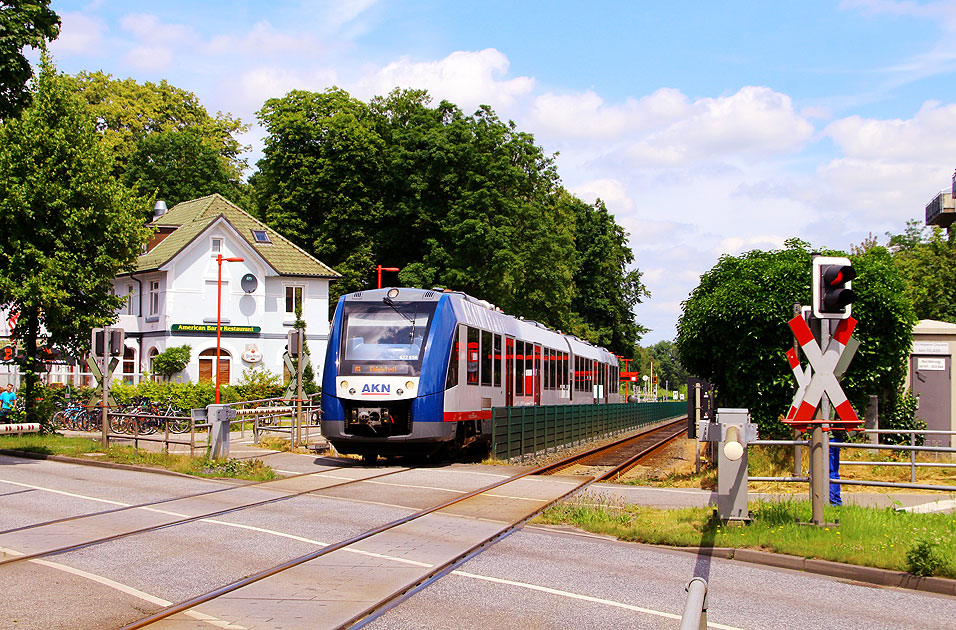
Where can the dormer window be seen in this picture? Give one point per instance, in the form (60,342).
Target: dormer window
(216,248)
(261,236)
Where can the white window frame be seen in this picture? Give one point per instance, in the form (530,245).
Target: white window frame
(215,246)
(154,297)
(293,288)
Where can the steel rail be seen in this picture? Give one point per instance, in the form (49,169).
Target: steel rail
(294,562)
(622,469)
(188,519)
(575,459)
(161,501)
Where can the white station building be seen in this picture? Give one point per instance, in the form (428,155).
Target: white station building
(173,294)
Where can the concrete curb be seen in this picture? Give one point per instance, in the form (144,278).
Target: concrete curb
(870,575)
(93,462)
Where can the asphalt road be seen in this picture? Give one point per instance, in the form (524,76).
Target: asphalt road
(536,578)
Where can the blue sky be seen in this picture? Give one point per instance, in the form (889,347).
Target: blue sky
(708,128)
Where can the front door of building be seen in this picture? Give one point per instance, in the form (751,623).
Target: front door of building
(931,380)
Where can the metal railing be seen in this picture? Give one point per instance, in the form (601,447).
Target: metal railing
(518,432)
(911,448)
(278,415)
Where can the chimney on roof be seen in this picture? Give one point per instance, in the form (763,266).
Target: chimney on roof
(159,209)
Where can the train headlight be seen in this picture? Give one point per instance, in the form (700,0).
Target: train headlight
(410,385)
(352,391)
(399,391)
(393,293)
(344,384)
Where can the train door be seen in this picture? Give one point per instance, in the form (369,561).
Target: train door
(537,374)
(509,371)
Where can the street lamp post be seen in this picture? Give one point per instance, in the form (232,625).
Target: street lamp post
(381,269)
(220,260)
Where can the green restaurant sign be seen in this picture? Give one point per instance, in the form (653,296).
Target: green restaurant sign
(227,329)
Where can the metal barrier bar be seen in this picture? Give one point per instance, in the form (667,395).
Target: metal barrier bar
(695,610)
(892,484)
(894,447)
(795,479)
(917,464)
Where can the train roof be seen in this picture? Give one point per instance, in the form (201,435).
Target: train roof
(482,314)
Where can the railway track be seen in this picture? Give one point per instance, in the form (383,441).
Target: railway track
(614,460)
(363,576)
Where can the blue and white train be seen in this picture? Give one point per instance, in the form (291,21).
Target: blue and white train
(413,371)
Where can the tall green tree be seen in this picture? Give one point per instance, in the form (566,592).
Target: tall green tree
(608,290)
(463,202)
(69,227)
(128,114)
(178,166)
(734,332)
(22,23)
(927,259)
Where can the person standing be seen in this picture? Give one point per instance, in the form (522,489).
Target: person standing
(8,399)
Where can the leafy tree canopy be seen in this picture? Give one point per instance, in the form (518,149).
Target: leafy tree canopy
(734,332)
(163,139)
(22,23)
(69,227)
(464,202)
(927,259)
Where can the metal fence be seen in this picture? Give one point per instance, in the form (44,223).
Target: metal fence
(911,448)
(526,431)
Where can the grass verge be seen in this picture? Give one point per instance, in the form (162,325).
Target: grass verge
(252,470)
(923,544)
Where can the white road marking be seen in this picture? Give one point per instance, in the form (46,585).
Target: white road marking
(158,601)
(129,590)
(66,494)
(587,598)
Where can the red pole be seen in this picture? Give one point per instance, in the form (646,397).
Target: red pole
(220,259)
(381,269)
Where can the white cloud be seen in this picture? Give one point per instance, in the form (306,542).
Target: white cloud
(79,34)
(468,79)
(155,58)
(756,121)
(264,40)
(928,136)
(149,28)
(585,115)
(611,191)
(734,245)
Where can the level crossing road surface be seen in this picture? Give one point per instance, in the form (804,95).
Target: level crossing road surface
(536,578)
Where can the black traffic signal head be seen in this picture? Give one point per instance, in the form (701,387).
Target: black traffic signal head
(832,287)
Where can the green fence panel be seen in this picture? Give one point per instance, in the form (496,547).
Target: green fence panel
(518,432)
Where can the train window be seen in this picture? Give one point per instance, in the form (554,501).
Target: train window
(544,376)
(564,370)
(577,374)
(519,368)
(497,361)
(472,350)
(452,378)
(536,373)
(486,357)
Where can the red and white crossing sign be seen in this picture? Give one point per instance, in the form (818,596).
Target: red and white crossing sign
(821,376)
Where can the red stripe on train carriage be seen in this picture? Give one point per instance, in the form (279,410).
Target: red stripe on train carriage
(461,416)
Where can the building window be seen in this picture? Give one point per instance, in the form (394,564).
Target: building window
(207,365)
(129,300)
(293,299)
(154,297)
(261,236)
(216,248)
(153,352)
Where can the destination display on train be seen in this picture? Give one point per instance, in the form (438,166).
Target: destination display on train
(378,370)
(226,329)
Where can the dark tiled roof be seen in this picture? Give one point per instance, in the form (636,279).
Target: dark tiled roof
(192,217)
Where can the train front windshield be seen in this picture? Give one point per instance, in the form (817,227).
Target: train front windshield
(383,339)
